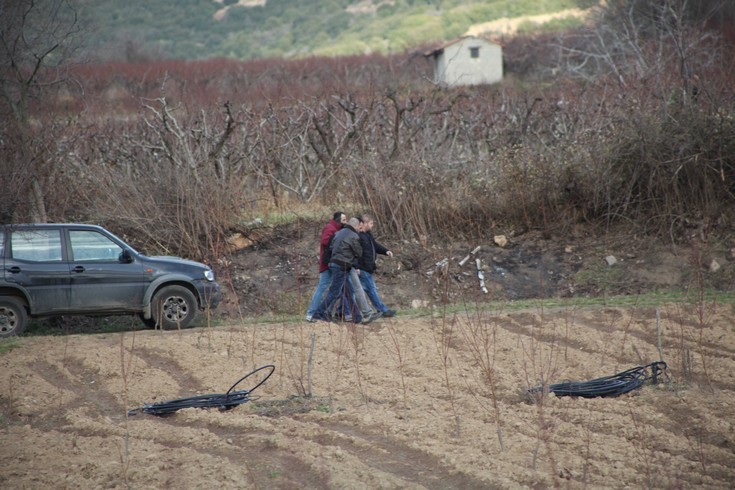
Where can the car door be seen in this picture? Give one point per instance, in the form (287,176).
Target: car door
(100,280)
(35,263)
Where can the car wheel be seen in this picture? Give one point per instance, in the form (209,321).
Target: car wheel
(174,307)
(13,317)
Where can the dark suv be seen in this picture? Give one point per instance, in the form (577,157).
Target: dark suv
(75,269)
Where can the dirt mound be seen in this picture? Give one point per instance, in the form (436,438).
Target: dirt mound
(278,271)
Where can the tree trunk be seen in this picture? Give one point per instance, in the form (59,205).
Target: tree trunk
(37,205)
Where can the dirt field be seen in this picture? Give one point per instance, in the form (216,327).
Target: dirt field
(411,402)
(417,401)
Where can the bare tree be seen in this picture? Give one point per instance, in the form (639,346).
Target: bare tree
(636,39)
(37,39)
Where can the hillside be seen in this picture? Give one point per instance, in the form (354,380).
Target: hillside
(250,29)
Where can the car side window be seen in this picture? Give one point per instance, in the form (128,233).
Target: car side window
(36,245)
(93,246)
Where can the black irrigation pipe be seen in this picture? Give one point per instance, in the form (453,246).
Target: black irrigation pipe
(607,386)
(220,401)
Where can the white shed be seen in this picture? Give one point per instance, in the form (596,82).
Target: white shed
(467,61)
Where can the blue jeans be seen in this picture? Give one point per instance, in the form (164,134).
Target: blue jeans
(371,290)
(325,279)
(359,292)
(340,289)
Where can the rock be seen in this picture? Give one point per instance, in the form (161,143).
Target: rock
(500,240)
(238,242)
(568,249)
(714,266)
(419,303)
(611,260)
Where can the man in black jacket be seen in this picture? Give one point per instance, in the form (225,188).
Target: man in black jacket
(346,250)
(366,264)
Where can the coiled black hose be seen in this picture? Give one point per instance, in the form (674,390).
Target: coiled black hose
(614,385)
(222,402)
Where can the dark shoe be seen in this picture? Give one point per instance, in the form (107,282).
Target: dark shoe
(389,313)
(371,318)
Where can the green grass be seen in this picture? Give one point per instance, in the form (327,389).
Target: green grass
(291,213)
(6,345)
(652,299)
(116,324)
(83,325)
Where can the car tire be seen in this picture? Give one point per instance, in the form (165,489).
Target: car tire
(13,317)
(174,307)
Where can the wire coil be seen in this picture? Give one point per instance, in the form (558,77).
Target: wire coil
(223,402)
(607,386)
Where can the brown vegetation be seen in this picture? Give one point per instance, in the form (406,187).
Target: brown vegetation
(592,127)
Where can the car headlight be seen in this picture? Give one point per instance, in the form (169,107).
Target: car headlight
(209,275)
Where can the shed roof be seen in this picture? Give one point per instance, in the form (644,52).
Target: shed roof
(439,50)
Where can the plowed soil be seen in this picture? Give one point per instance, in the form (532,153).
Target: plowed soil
(435,397)
(411,402)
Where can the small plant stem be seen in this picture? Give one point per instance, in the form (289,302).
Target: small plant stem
(309,363)
(658,334)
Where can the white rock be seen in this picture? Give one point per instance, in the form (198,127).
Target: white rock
(611,260)
(500,240)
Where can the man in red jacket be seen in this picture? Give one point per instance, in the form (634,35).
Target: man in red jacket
(325,275)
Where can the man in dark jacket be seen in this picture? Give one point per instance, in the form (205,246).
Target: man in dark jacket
(325,275)
(366,264)
(346,249)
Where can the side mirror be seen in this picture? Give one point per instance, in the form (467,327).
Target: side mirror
(125,256)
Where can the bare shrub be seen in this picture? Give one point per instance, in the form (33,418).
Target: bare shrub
(16,169)
(666,172)
(173,180)
(479,330)
(654,149)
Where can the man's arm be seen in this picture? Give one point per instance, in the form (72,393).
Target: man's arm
(382,250)
(356,247)
(327,234)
